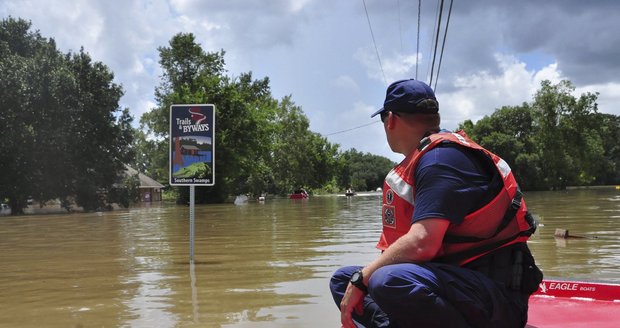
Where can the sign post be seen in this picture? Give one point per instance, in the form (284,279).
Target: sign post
(192,153)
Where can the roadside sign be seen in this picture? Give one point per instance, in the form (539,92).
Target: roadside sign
(192,145)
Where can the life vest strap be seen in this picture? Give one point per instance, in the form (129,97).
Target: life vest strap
(509,215)
(470,253)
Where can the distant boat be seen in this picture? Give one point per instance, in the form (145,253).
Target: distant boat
(241,200)
(299,194)
(349,192)
(5,209)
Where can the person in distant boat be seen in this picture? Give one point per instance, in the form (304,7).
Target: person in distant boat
(455,227)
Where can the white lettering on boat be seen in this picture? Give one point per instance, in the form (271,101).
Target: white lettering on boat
(563,286)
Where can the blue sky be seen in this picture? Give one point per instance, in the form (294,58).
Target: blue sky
(322,54)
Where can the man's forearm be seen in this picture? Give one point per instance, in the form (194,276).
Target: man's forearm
(420,244)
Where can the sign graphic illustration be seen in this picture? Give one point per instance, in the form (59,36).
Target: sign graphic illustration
(192,145)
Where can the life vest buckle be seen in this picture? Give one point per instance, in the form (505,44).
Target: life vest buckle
(516,202)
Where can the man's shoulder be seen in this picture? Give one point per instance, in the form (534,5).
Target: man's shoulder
(446,153)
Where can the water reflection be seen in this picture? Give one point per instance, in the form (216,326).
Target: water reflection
(148,282)
(592,214)
(258,265)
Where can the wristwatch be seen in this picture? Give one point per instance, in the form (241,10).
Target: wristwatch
(357,280)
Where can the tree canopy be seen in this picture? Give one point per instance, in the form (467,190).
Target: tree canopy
(65,134)
(263,145)
(555,141)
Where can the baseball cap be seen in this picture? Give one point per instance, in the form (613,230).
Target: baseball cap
(409,96)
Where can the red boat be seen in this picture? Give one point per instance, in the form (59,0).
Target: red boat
(299,194)
(566,303)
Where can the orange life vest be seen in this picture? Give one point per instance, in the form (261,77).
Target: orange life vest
(501,222)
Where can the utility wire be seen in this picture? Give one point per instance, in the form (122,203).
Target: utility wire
(436,36)
(443,45)
(417,50)
(381,66)
(347,130)
(430,50)
(436,41)
(374,42)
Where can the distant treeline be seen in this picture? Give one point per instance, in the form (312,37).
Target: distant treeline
(65,137)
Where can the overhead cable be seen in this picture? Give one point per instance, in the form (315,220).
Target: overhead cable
(430,50)
(443,45)
(374,42)
(436,42)
(355,128)
(417,50)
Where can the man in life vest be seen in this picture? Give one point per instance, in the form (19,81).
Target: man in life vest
(455,227)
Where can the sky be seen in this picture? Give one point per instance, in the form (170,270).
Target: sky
(335,58)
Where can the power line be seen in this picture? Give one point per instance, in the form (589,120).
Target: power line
(436,42)
(417,50)
(351,129)
(374,42)
(430,49)
(443,45)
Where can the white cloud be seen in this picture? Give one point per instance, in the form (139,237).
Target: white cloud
(394,67)
(480,93)
(346,83)
(298,5)
(322,54)
(609,95)
(399,66)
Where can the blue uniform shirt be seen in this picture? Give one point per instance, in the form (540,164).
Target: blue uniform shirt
(452,181)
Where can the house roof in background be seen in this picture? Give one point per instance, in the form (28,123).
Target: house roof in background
(145,181)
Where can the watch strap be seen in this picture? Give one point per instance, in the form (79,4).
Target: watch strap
(359,282)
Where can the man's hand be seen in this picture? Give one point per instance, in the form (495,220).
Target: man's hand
(420,244)
(351,301)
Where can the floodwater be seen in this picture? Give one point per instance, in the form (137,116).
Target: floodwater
(256,265)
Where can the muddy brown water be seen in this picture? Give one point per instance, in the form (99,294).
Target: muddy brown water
(256,265)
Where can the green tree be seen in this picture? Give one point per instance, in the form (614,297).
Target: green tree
(549,103)
(299,157)
(127,191)
(190,76)
(568,138)
(555,141)
(61,111)
(508,132)
(363,171)
(18,46)
(609,167)
(262,145)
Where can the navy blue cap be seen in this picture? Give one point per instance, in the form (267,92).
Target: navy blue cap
(408,96)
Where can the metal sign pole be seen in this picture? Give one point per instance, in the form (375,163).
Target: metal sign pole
(192,194)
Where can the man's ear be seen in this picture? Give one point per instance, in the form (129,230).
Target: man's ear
(391,120)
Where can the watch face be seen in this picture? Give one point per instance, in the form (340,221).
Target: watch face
(355,277)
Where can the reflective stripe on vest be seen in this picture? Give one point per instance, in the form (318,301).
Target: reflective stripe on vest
(403,189)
